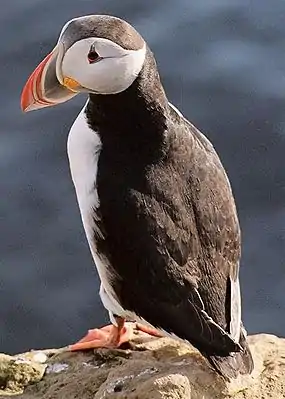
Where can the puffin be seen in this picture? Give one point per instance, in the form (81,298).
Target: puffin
(155,200)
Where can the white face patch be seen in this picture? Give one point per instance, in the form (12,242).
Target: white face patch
(114,73)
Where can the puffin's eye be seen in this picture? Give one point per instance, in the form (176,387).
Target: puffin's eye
(93,56)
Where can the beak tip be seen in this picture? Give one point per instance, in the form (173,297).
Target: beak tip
(27,98)
(26,108)
(30,107)
(25,105)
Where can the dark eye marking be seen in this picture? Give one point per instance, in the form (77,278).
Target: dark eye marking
(93,56)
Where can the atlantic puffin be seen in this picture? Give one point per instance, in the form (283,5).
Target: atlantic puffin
(155,201)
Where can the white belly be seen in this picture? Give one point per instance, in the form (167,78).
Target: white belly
(83,148)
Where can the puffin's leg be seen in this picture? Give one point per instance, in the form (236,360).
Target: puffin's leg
(112,336)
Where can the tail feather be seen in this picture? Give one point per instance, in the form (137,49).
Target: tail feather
(234,364)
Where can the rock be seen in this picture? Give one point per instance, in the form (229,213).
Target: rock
(154,368)
(16,372)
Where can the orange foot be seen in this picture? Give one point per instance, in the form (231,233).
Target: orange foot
(112,336)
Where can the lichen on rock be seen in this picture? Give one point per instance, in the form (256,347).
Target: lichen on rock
(17,372)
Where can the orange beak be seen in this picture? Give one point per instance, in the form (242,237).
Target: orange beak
(32,94)
(43,88)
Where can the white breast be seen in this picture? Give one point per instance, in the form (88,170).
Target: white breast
(83,148)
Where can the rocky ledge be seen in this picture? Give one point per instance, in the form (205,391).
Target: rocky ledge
(152,368)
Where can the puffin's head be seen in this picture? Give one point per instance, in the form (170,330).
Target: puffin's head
(95,54)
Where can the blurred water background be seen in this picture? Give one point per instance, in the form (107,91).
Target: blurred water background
(222,63)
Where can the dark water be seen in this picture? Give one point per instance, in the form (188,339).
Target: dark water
(224,67)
